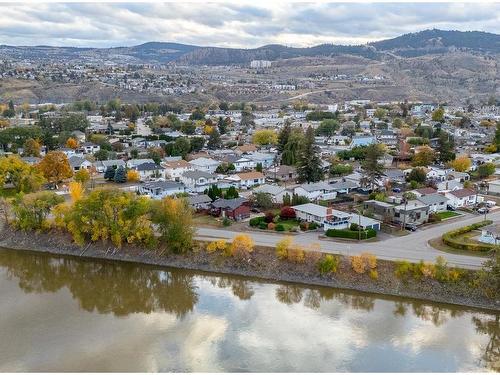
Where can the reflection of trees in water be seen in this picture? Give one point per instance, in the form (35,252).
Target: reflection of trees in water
(104,287)
(490,326)
(433,313)
(312,298)
(241,288)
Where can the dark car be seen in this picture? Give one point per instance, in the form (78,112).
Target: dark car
(396,190)
(411,227)
(450,208)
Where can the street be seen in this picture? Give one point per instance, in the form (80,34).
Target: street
(412,247)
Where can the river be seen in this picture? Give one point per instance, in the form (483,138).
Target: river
(69,314)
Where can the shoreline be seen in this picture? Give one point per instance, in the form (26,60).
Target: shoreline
(264,266)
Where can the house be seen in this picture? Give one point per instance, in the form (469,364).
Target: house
(343,186)
(275,192)
(411,212)
(67,151)
(246,180)
(203,164)
(246,148)
(462,198)
(78,135)
(240,162)
(333,219)
(174,169)
(102,165)
(198,181)
(89,147)
(435,202)
(200,202)
(264,159)
(77,163)
(490,234)
(236,209)
(160,189)
(445,186)
(150,170)
(282,173)
(382,211)
(358,141)
(133,163)
(394,176)
(494,187)
(424,191)
(318,190)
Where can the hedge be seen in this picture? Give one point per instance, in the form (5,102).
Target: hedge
(347,233)
(254,222)
(449,238)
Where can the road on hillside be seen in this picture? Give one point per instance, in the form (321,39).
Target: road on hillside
(412,247)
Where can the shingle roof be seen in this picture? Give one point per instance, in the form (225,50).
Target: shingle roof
(461,193)
(229,203)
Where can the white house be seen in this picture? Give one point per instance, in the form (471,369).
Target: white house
(102,165)
(77,163)
(175,169)
(89,148)
(318,190)
(198,181)
(276,192)
(246,180)
(205,164)
(435,202)
(161,189)
(462,198)
(148,171)
(133,163)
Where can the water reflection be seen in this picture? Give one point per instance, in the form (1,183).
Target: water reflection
(117,288)
(490,326)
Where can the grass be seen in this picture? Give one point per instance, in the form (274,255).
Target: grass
(288,224)
(7,193)
(206,220)
(447,214)
(437,243)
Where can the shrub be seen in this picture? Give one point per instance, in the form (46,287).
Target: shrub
(263,225)
(329,264)
(219,245)
(373,274)
(304,225)
(269,217)
(296,254)
(242,246)
(403,269)
(370,260)
(354,227)
(226,221)
(449,238)
(282,247)
(280,228)
(271,226)
(287,213)
(358,264)
(313,226)
(254,222)
(434,218)
(347,233)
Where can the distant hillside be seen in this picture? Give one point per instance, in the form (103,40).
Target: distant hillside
(440,41)
(409,45)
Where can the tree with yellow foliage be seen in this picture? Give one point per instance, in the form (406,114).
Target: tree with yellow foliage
(133,175)
(242,246)
(24,177)
(82,176)
(265,137)
(424,156)
(174,219)
(32,147)
(72,143)
(55,167)
(461,163)
(76,191)
(282,247)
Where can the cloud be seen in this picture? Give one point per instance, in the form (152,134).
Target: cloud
(230,24)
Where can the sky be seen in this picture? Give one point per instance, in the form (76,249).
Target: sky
(241,24)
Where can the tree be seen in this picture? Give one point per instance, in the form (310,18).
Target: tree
(102,154)
(156,153)
(438,114)
(265,137)
(242,246)
(76,191)
(372,169)
(380,113)
(72,143)
(446,145)
(120,175)
(82,176)
(292,147)
(231,193)
(196,144)
(327,127)
(32,147)
(181,147)
(461,164)
(418,175)
(24,177)
(423,156)
(214,141)
(175,223)
(197,114)
(133,175)
(283,136)
(55,167)
(340,169)
(486,169)
(223,106)
(109,174)
(262,200)
(309,163)
(213,192)
(31,210)
(223,124)
(258,167)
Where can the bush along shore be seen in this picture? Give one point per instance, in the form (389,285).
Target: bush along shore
(116,225)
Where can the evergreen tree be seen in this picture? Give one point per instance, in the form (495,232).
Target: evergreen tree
(309,163)
(213,192)
(372,169)
(446,146)
(258,167)
(109,174)
(231,193)
(120,175)
(214,141)
(222,125)
(283,136)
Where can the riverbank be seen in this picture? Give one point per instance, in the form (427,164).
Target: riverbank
(263,264)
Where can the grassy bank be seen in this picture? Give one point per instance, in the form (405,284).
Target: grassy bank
(263,263)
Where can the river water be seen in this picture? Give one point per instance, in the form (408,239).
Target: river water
(68,314)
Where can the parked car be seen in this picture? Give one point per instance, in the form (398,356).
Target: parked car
(396,190)
(411,227)
(450,208)
(490,204)
(482,210)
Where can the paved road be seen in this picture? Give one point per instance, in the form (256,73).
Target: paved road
(142,129)
(412,247)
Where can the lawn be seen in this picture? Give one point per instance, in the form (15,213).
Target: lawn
(447,214)
(288,224)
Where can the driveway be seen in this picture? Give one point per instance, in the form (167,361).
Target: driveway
(412,247)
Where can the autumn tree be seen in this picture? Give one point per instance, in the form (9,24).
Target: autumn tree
(242,246)
(486,169)
(31,210)
(418,175)
(32,147)
(23,177)
(72,143)
(82,176)
(438,114)
(133,175)
(76,191)
(424,156)
(55,167)
(461,163)
(265,137)
(174,219)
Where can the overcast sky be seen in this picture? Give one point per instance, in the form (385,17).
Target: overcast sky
(233,24)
